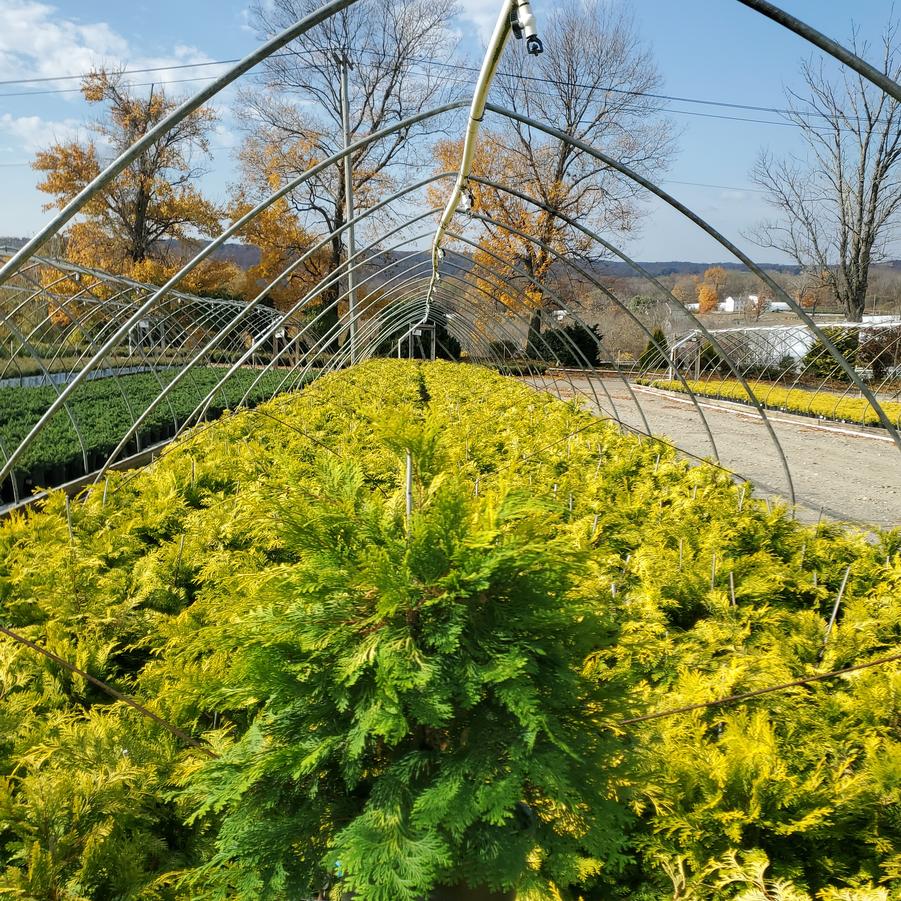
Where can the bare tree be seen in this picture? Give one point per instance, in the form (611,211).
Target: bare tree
(594,83)
(838,204)
(397,51)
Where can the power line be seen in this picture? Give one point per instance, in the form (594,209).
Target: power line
(701,184)
(218,62)
(676,112)
(108,689)
(130,84)
(461,67)
(746,695)
(110,158)
(418,167)
(670,98)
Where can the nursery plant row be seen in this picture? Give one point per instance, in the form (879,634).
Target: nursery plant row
(104,410)
(382,692)
(823,404)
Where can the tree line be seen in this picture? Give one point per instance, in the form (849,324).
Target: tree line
(598,83)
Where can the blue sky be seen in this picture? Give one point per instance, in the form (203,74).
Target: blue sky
(707,49)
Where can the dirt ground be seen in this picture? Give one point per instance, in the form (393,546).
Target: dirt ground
(841,472)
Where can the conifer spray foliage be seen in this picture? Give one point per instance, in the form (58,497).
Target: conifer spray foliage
(264,593)
(421,700)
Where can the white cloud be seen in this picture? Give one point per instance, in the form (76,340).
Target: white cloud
(33,133)
(245,21)
(38,41)
(481,14)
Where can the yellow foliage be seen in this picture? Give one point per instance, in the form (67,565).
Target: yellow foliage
(716,276)
(124,228)
(708,298)
(797,400)
(500,248)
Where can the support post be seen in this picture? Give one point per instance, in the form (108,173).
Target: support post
(345,64)
(409,490)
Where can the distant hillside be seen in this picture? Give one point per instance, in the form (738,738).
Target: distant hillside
(245,256)
(617,268)
(680,267)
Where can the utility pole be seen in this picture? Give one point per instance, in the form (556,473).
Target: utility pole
(344,62)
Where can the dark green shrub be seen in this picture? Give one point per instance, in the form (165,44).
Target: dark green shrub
(574,345)
(818,361)
(507,349)
(654,356)
(447,347)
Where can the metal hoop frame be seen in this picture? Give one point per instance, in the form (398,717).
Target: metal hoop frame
(411,295)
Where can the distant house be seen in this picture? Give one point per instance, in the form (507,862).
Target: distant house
(738,304)
(750,303)
(731,305)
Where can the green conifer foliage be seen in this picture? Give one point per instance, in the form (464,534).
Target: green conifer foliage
(396,705)
(417,694)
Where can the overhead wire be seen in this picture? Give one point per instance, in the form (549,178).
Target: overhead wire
(459,66)
(470,82)
(758,692)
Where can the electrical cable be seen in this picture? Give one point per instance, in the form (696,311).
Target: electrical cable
(746,695)
(108,689)
(462,67)
(142,84)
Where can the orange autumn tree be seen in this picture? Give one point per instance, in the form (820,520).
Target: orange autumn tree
(708,298)
(685,290)
(711,288)
(277,232)
(716,276)
(292,225)
(393,51)
(504,260)
(596,46)
(142,224)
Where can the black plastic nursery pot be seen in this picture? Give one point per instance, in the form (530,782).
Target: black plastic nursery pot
(8,494)
(96,459)
(37,477)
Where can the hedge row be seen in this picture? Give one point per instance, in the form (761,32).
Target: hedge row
(791,400)
(104,410)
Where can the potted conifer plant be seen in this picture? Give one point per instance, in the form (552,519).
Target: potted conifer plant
(417,718)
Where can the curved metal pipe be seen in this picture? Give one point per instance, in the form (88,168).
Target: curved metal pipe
(833,48)
(209,248)
(724,242)
(163,126)
(338,327)
(612,297)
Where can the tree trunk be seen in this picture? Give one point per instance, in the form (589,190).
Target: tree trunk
(854,301)
(328,322)
(533,344)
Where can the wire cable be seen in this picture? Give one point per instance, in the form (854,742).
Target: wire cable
(746,695)
(461,67)
(108,689)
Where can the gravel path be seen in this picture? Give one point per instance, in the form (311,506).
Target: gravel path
(849,472)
